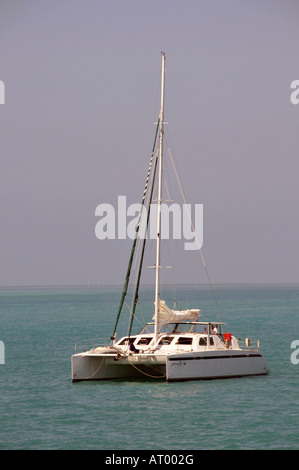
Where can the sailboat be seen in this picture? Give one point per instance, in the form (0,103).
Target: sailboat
(176,345)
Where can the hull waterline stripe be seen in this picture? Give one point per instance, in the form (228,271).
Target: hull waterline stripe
(191,358)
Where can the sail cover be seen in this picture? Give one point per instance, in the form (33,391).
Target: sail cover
(166,315)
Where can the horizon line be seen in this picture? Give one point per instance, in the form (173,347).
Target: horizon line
(149,285)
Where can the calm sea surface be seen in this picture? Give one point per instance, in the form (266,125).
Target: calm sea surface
(40,408)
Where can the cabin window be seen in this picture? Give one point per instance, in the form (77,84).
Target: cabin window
(144,341)
(204,341)
(184,340)
(126,341)
(166,340)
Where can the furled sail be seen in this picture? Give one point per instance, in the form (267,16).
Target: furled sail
(166,315)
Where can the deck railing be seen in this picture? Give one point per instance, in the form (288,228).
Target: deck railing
(249,344)
(87,344)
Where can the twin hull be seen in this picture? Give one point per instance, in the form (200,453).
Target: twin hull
(187,366)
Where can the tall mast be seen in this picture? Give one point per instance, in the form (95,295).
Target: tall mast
(161,120)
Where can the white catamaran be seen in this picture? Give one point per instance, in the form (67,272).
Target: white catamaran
(176,345)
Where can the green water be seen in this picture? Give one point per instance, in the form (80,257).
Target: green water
(41,408)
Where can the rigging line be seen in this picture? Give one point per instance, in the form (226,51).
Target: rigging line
(92,375)
(125,287)
(137,252)
(133,314)
(169,190)
(171,278)
(134,301)
(144,373)
(167,181)
(200,250)
(143,248)
(147,206)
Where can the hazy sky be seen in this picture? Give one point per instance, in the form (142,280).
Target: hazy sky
(82,91)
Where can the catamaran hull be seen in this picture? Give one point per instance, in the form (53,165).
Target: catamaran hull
(215,365)
(191,366)
(111,366)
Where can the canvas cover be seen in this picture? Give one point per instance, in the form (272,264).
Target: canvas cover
(166,315)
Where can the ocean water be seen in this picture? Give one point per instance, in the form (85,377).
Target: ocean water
(40,408)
